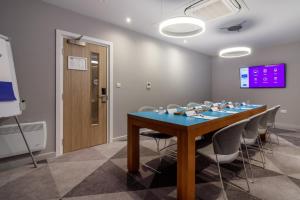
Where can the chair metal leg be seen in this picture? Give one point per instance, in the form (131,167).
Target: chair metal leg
(276,134)
(249,161)
(26,143)
(270,140)
(246,175)
(151,168)
(261,151)
(220,175)
(157,145)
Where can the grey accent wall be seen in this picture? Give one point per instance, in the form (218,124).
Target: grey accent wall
(226,85)
(178,75)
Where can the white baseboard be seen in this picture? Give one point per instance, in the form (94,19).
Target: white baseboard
(119,138)
(288,126)
(17,161)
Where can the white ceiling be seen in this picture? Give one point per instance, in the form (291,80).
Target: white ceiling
(269,22)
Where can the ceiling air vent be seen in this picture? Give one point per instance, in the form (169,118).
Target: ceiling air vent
(212,9)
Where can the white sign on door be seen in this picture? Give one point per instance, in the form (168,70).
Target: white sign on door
(77,63)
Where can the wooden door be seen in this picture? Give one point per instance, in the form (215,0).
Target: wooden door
(84,96)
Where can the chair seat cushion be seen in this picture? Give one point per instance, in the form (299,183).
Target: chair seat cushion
(154,134)
(262,130)
(248,141)
(208,151)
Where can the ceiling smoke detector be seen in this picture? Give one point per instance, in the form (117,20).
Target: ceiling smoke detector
(212,9)
(234,28)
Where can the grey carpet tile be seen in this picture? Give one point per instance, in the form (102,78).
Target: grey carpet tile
(288,164)
(69,174)
(80,155)
(37,185)
(109,150)
(293,140)
(106,179)
(274,188)
(295,180)
(131,195)
(143,152)
(12,174)
(101,173)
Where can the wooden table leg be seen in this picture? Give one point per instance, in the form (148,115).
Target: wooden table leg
(186,167)
(133,147)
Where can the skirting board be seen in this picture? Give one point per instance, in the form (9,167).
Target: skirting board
(17,161)
(120,138)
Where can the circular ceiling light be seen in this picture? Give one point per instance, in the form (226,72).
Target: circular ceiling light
(235,52)
(182,27)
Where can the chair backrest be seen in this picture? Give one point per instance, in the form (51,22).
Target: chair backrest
(228,140)
(264,119)
(272,114)
(193,104)
(146,108)
(207,103)
(173,106)
(251,128)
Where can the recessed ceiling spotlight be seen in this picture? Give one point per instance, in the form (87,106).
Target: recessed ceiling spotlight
(235,52)
(128,20)
(182,27)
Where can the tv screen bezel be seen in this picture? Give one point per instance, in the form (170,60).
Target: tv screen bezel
(284,66)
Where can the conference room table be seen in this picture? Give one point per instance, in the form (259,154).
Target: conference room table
(186,129)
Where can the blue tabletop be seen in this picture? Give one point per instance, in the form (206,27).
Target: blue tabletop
(189,121)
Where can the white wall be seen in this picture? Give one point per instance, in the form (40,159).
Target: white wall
(226,85)
(178,75)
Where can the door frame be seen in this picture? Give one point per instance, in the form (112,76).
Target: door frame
(60,36)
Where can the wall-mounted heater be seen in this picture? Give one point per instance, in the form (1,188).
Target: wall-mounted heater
(12,143)
(212,9)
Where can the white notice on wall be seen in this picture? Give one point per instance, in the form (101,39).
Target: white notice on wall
(77,63)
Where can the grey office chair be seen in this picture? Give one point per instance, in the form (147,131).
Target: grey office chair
(170,106)
(155,135)
(226,147)
(271,120)
(251,139)
(263,128)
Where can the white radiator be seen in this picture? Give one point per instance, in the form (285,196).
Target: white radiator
(12,143)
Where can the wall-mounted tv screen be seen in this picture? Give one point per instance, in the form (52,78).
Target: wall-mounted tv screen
(263,76)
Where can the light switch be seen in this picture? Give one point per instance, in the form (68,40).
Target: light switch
(283,111)
(148,85)
(118,85)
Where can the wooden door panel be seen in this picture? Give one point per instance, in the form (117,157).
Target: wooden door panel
(79,130)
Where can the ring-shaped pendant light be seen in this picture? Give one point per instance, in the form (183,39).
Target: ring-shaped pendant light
(235,52)
(182,27)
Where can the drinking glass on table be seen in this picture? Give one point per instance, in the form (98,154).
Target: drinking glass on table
(237,104)
(161,110)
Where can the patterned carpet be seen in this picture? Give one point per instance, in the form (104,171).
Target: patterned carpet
(100,173)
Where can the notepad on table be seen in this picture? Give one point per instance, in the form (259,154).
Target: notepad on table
(205,117)
(228,111)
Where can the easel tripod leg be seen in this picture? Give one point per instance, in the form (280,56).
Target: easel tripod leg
(22,133)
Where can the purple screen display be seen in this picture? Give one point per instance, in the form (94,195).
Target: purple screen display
(263,76)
